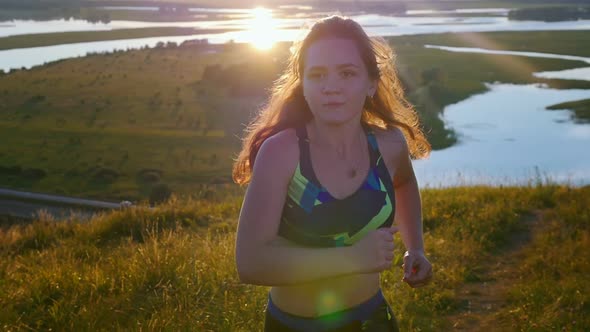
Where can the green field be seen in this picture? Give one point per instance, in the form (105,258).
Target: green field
(524,250)
(59,38)
(82,118)
(94,126)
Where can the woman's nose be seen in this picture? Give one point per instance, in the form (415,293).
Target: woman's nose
(331,85)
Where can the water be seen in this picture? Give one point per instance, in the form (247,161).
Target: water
(191,9)
(568,74)
(400,25)
(277,29)
(535,144)
(507,137)
(25,27)
(496,11)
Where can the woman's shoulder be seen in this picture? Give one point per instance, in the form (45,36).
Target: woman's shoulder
(279,153)
(282,144)
(390,140)
(394,150)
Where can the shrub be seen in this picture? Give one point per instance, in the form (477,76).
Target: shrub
(160,193)
(150,175)
(11,170)
(105,174)
(36,99)
(34,173)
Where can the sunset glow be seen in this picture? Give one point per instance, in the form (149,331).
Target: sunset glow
(262,30)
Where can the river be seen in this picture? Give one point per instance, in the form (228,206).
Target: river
(260,24)
(507,137)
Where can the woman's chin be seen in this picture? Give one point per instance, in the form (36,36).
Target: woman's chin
(334,119)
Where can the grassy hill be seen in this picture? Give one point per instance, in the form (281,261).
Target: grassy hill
(94,125)
(172,267)
(114,125)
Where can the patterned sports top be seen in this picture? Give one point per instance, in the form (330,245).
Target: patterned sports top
(313,217)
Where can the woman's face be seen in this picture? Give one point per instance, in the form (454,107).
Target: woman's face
(335,80)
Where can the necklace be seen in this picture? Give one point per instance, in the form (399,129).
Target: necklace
(353,169)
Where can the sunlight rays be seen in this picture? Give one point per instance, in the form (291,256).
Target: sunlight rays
(262,31)
(514,63)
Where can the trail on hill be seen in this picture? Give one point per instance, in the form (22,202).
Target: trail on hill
(484,297)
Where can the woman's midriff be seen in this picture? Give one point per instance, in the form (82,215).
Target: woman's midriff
(325,296)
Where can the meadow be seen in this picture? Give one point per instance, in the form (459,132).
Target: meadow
(172,267)
(112,126)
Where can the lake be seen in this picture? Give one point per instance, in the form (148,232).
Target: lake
(506,136)
(258,28)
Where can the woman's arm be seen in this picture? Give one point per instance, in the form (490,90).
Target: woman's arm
(408,217)
(264,259)
(408,205)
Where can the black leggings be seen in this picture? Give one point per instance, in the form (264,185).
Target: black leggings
(380,318)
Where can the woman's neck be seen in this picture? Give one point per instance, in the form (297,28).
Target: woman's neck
(343,139)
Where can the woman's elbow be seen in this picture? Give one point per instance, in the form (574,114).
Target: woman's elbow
(247,272)
(247,276)
(244,275)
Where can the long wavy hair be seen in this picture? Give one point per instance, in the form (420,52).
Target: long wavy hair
(287,108)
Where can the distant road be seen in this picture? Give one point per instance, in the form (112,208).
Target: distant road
(27,205)
(30,210)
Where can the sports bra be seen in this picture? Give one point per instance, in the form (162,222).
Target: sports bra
(313,217)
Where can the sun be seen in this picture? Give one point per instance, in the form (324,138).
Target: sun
(262,28)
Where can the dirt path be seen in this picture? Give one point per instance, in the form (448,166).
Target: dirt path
(486,295)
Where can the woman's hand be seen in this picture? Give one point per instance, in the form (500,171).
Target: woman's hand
(374,251)
(417,268)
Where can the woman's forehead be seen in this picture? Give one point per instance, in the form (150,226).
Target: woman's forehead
(332,52)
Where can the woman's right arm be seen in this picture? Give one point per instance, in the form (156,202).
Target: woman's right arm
(264,258)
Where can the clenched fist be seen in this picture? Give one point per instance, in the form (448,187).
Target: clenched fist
(417,268)
(375,250)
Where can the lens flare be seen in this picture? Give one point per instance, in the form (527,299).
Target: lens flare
(328,302)
(262,28)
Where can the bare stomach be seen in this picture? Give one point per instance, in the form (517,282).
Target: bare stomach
(325,296)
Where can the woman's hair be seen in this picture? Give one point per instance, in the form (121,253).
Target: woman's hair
(287,108)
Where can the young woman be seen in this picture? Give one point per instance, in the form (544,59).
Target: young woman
(330,182)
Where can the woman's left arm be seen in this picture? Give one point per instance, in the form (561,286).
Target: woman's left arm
(408,217)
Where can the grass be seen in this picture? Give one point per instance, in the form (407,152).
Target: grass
(554,290)
(125,111)
(463,80)
(59,38)
(138,15)
(172,267)
(555,42)
(580,109)
(120,113)
(177,156)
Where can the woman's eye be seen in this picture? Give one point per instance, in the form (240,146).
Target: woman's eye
(315,75)
(347,73)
